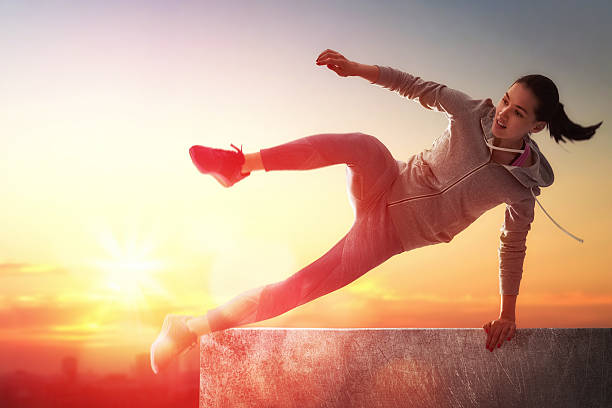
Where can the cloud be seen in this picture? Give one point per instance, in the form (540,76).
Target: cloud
(372,290)
(27,269)
(71,309)
(97,320)
(28,312)
(576,298)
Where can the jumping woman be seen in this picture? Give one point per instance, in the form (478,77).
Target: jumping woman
(485,157)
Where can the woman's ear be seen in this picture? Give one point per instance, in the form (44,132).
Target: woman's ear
(538,127)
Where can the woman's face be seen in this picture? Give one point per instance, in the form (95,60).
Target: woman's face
(514,114)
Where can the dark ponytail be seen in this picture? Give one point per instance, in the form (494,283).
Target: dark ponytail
(551,111)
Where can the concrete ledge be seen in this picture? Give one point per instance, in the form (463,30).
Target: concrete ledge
(271,367)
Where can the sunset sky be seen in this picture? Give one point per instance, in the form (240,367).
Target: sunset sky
(106,225)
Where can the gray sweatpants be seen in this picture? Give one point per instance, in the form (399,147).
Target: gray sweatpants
(372,239)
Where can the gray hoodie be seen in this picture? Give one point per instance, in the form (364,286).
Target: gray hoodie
(443,189)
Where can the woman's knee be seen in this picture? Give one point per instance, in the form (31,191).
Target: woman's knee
(367,148)
(365,138)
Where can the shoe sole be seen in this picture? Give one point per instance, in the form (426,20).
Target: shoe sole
(164,334)
(224,181)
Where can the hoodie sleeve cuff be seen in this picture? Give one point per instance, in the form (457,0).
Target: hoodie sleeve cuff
(385,76)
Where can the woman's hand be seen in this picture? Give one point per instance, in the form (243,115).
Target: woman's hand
(499,330)
(338,63)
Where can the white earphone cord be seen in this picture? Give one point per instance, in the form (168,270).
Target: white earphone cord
(551,218)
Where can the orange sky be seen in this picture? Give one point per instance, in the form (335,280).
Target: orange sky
(107,226)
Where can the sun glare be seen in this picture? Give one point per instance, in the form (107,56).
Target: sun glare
(128,273)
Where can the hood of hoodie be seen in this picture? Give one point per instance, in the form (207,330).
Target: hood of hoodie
(539,174)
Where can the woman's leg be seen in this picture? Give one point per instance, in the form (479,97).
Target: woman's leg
(370,242)
(324,149)
(252,162)
(306,153)
(371,169)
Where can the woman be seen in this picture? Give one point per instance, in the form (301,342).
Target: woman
(484,158)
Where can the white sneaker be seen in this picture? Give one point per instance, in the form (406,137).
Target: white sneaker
(174,339)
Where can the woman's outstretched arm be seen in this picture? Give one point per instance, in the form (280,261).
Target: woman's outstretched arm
(369,72)
(517,223)
(430,94)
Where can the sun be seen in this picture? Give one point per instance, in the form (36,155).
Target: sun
(128,275)
(129,270)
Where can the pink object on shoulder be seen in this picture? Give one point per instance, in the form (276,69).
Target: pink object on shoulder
(521,159)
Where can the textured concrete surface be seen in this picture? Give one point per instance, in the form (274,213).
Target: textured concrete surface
(261,367)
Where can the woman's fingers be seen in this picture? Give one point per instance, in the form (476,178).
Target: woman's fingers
(324,54)
(498,331)
(487,329)
(493,333)
(327,52)
(329,60)
(512,332)
(490,333)
(494,337)
(330,55)
(502,336)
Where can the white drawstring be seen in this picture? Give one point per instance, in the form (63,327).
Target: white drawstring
(551,218)
(564,230)
(503,148)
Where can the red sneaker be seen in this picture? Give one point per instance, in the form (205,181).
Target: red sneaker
(174,339)
(224,165)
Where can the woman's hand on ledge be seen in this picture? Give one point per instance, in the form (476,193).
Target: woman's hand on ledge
(498,331)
